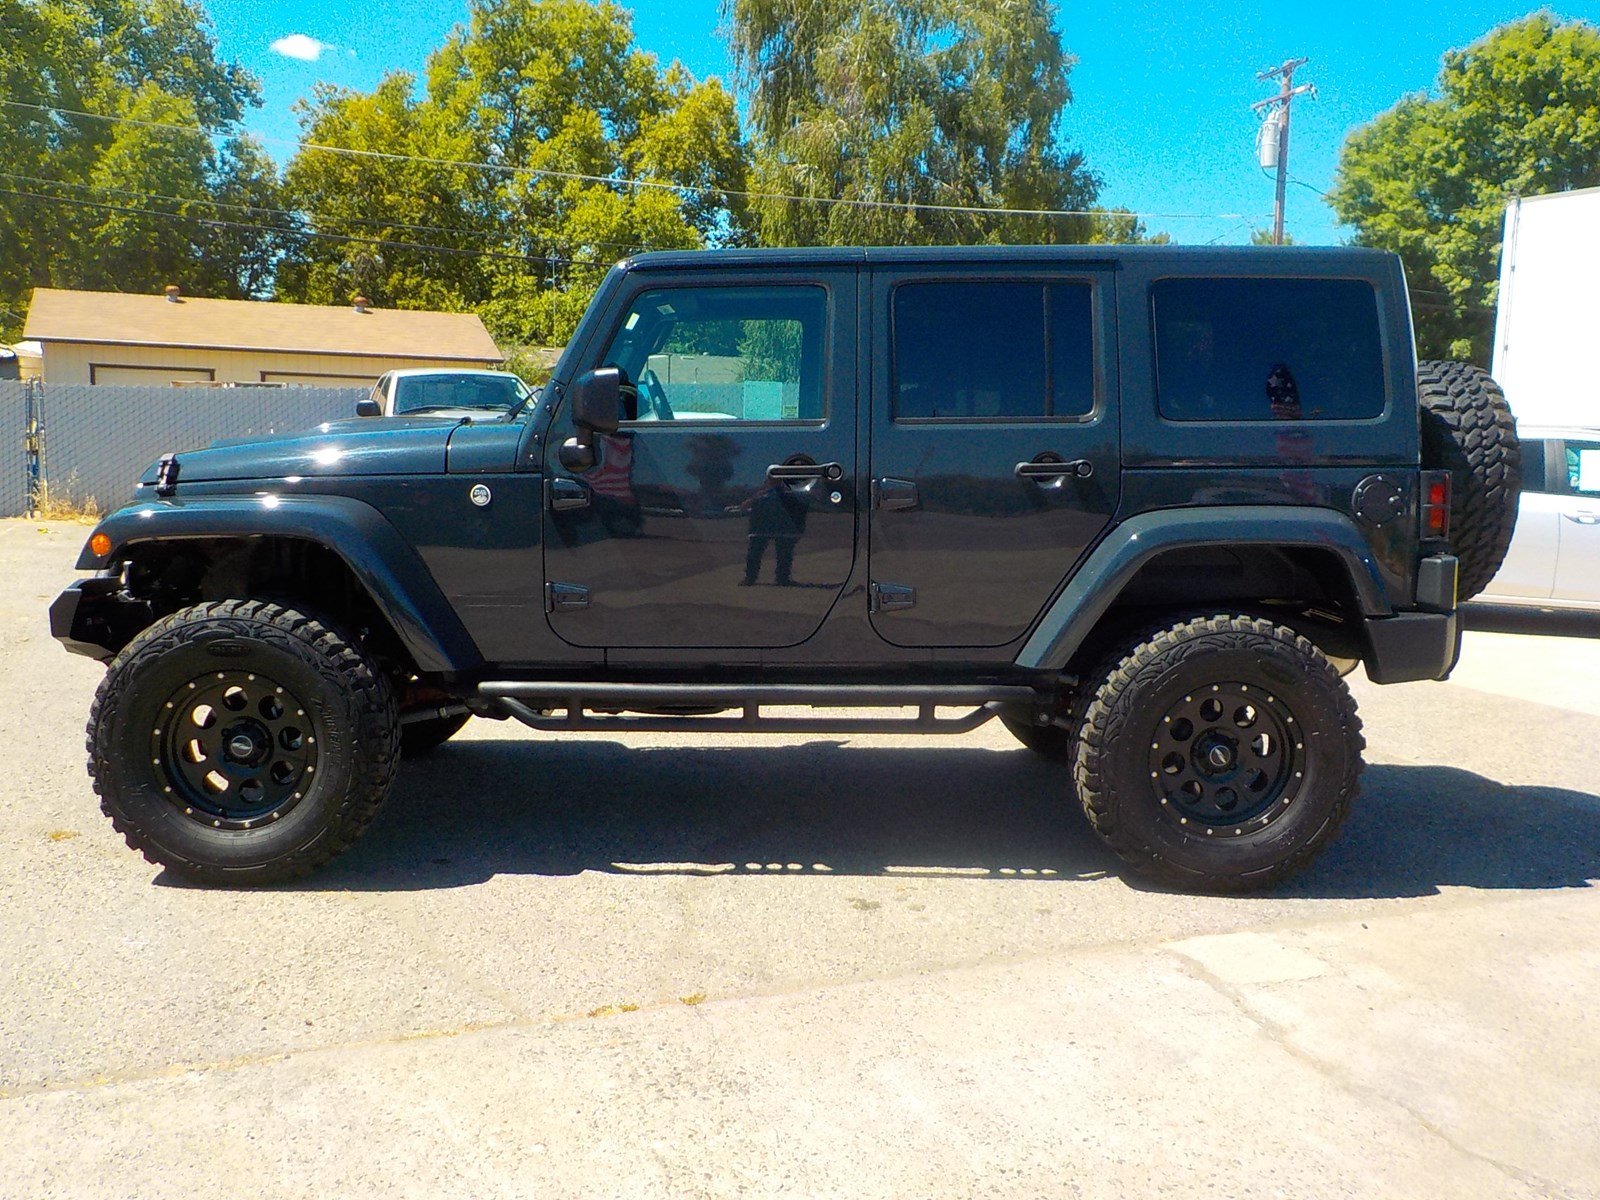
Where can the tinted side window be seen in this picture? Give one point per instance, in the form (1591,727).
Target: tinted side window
(724,354)
(969,351)
(1533,469)
(1267,349)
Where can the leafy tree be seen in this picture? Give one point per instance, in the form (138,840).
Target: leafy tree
(1263,237)
(1516,113)
(891,104)
(565,108)
(406,232)
(72,183)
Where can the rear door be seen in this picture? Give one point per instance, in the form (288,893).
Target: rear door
(994,446)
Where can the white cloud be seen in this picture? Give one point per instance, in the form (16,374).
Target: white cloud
(301,46)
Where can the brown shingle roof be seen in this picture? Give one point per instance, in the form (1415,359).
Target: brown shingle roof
(57,315)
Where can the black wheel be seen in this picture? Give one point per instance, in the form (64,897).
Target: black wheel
(1468,430)
(1219,753)
(1051,741)
(242,742)
(419,737)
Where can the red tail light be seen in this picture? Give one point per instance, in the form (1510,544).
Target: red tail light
(1436,504)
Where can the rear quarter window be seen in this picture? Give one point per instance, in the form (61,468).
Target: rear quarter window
(1267,349)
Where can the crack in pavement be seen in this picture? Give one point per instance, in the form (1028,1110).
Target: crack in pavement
(1283,1037)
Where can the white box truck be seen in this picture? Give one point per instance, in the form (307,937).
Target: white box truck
(1547,357)
(1547,321)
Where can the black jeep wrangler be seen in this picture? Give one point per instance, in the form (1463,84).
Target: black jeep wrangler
(1145,506)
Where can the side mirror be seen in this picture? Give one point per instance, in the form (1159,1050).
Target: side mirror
(596,400)
(368,408)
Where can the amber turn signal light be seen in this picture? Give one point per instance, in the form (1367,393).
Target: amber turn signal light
(100,545)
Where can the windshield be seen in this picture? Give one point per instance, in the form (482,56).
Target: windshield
(418,393)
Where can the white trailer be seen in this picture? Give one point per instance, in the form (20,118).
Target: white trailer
(1547,322)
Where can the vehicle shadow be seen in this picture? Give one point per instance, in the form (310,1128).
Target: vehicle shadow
(480,808)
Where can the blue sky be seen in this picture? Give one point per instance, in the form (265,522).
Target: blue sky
(1162,90)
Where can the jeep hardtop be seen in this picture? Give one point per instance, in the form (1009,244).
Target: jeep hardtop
(1145,506)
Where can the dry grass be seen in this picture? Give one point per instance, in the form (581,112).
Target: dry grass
(65,504)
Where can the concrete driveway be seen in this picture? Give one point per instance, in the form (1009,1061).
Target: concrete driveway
(601,967)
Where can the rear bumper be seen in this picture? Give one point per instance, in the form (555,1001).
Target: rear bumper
(1408,647)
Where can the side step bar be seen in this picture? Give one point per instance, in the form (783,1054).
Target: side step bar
(536,704)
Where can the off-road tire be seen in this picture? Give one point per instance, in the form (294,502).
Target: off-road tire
(423,737)
(1121,723)
(1048,741)
(1468,430)
(347,707)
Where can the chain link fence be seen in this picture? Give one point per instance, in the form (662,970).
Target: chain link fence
(14,456)
(93,441)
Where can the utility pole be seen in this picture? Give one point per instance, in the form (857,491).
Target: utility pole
(1273,148)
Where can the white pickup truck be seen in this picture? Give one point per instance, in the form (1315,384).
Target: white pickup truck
(1554,560)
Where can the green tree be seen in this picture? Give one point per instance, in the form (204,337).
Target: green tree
(72,182)
(891,104)
(1516,113)
(1263,237)
(386,222)
(556,97)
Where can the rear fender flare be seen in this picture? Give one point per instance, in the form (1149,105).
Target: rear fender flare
(381,560)
(1095,586)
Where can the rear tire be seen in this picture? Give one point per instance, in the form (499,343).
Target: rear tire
(1468,430)
(1219,753)
(239,741)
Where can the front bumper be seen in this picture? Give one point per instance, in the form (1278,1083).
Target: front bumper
(92,618)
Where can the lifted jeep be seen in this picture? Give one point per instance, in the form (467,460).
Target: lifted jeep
(1145,506)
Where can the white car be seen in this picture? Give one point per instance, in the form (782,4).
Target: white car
(442,392)
(1554,560)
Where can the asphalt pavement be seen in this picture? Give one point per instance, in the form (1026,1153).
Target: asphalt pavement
(603,966)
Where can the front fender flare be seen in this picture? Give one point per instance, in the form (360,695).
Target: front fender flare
(1095,586)
(383,561)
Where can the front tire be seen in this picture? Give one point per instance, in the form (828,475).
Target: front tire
(239,741)
(1218,753)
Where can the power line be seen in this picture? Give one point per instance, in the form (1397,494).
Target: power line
(624,181)
(216,222)
(285,212)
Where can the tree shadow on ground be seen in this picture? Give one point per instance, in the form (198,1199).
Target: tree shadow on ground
(481,808)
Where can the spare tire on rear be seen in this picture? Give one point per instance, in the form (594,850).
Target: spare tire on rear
(1468,430)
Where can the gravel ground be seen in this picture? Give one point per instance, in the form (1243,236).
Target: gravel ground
(598,966)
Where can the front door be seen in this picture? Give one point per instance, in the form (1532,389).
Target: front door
(994,447)
(1578,557)
(722,513)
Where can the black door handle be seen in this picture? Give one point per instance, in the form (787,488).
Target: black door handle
(1052,468)
(791,471)
(567,495)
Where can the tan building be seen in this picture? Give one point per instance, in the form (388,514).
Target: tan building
(119,338)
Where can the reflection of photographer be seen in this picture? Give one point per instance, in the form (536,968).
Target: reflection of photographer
(778,515)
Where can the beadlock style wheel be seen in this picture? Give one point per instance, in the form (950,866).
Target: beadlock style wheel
(235,748)
(1227,760)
